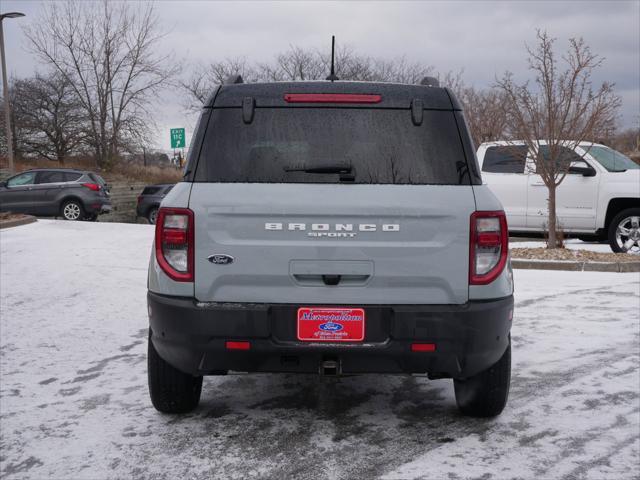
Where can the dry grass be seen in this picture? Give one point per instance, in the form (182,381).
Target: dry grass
(121,172)
(575,255)
(137,173)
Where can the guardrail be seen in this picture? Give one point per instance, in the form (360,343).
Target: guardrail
(124,197)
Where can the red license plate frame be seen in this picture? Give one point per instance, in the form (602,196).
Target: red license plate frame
(330,324)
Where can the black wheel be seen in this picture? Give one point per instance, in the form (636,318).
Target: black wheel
(152,214)
(171,390)
(624,231)
(485,394)
(72,210)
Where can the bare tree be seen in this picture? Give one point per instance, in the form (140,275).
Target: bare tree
(349,65)
(107,54)
(483,108)
(627,141)
(199,85)
(400,70)
(298,63)
(562,110)
(48,115)
(485,113)
(295,64)
(3,131)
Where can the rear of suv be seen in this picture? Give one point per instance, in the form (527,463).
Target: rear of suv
(61,192)
(149,201)
(331,228)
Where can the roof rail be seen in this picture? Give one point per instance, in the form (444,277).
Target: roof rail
(430,82)
(233,79)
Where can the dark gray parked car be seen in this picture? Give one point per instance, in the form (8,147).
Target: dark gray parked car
(68,193)
(149,201)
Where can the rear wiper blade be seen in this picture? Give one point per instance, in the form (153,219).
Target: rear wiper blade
(321,169)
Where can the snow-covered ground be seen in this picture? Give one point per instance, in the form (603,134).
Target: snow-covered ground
(570,243)
(74,403)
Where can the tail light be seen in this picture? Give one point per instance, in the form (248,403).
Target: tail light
(489,246)
(423,347)
(175,243)
(92,186)
(139,199)
(237,345)
(331,98)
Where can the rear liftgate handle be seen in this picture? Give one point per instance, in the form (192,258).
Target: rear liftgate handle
(331,280)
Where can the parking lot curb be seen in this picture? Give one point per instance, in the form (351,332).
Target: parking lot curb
(16,222)
(568,265)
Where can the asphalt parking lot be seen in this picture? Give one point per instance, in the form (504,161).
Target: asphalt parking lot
(74,402)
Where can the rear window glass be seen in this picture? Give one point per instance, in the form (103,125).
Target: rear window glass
(51,177)
(150,190)
(71,177)
(309,145)
(97,178)
(505,159)
(565,157)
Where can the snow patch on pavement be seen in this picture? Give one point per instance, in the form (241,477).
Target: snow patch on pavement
(570,243)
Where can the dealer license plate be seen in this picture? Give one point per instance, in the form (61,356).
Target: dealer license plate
(330,324)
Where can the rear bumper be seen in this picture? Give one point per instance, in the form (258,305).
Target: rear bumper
(99,206)
(191,336)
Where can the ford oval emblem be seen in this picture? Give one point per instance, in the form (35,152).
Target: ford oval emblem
(330,327)
(221,259)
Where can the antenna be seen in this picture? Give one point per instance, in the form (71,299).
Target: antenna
(332,76)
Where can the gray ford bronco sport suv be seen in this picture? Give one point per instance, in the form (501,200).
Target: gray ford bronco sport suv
(331,228)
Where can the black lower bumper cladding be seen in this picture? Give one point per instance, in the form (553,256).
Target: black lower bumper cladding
(193,337)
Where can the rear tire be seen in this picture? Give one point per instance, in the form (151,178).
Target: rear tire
(624,229)
(486,393)
(152,215)
(171,390)
(72,210)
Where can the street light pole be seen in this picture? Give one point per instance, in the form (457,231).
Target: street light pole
(5,86)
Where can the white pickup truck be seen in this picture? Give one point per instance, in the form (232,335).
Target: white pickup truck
(599,199)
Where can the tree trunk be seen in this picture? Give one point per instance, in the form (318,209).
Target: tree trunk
(553,237)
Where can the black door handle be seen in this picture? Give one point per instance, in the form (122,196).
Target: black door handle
(331,280)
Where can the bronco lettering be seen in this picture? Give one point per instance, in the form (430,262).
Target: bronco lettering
(338,227)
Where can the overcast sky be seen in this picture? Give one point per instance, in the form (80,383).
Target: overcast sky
(482,38)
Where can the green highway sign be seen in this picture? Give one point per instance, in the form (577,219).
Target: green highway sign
(177,138)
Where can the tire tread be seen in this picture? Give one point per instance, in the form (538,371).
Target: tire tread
(171,390)
(485,394)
